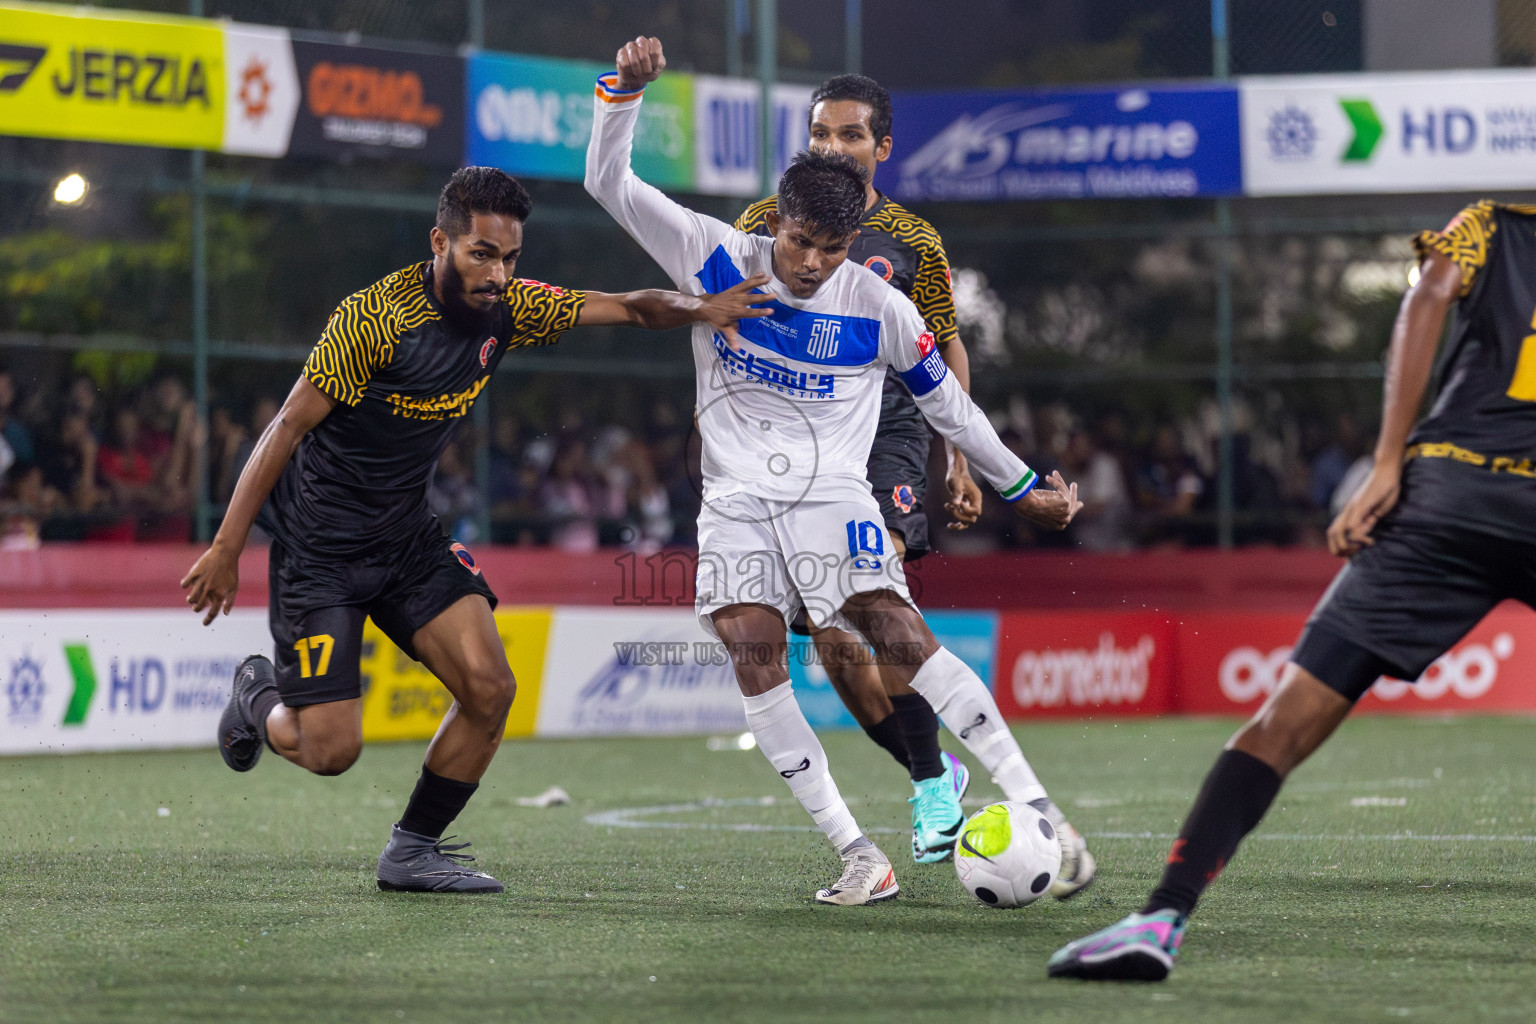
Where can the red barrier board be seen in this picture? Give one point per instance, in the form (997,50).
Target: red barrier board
(1230,662)
(1074,664)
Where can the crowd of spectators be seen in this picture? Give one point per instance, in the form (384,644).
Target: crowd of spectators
(79,463)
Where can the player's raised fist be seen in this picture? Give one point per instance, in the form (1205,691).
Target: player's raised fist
(1051,507)
(639,62)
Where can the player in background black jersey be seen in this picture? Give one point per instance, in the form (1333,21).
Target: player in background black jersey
(1439,533)
(346,463)
(851,115)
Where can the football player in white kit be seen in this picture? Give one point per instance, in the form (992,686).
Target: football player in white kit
(787,407)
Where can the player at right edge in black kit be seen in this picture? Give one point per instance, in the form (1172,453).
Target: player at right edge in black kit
(851,115)
(1439,534)
(346,463)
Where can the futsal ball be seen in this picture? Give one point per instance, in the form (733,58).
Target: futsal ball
(1007,855)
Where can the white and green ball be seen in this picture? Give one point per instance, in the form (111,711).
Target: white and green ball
(1007,855)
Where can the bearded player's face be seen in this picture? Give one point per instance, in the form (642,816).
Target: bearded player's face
(471,271)
(842,126)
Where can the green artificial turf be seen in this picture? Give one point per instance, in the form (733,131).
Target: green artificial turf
(253,898)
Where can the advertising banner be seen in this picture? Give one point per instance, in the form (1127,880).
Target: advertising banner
(1077,664)
(1132,142)
(533,116)
(1412,132)
(1230,662)
(403,701)
(133,78)
(261,90)
(971,636)
(364,101)
(613,671)
(114,680)
(728,136)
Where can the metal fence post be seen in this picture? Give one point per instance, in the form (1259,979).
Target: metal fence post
(767,71)
(1221,68)
(480,412)
(853,37)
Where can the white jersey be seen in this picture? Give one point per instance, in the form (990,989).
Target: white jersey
(790,415)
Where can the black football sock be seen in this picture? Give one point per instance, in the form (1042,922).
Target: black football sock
(887,733)
(434,803)
(1232,802)
(920,726)
(261,706)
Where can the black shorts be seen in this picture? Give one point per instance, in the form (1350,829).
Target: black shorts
(317,607)
(898,474)
(1404,601)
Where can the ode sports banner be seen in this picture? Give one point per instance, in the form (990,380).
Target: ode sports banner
(1409,132)
(533,116)
(1129,142)
(365,101)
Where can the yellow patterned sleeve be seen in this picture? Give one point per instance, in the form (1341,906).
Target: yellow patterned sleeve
(754,219)
(931,291)
(359,339)
(1466,241)
(541,312)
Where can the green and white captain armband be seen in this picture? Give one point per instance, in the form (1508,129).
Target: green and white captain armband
(1021,487)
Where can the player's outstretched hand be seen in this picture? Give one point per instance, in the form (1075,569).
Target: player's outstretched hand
(1053,507)
(639,62)
(1351,531)
(211,583)
(721,310)
(964,496)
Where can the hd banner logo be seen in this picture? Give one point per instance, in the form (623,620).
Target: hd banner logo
(1411,132)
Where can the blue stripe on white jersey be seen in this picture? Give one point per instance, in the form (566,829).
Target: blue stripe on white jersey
(830,339)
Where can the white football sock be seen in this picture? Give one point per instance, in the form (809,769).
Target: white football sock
(965,704)
(790,745)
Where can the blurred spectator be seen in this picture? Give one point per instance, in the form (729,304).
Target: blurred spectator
(14,434)
(453,495)
(225,437)
(69,462)
(170,437)
(263,411)
(24,504)
(568,498)
(1331,464)
(1167,490)
(1104,522)
(507,483)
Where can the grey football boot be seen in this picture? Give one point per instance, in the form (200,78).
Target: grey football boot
(240,739)
(413,863)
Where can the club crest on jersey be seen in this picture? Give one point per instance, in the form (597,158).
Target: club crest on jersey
(903,498)
(486,350)
(466,559)
(824,339)
(925,343)
(881,266)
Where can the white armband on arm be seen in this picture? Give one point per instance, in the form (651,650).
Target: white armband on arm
(954,415)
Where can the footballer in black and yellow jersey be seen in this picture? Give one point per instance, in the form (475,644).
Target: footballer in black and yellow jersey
(1438,534)
(340,479)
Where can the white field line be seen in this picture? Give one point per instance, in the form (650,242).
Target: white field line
(640,817)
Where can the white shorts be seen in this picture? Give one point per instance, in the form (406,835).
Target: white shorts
(813,554)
